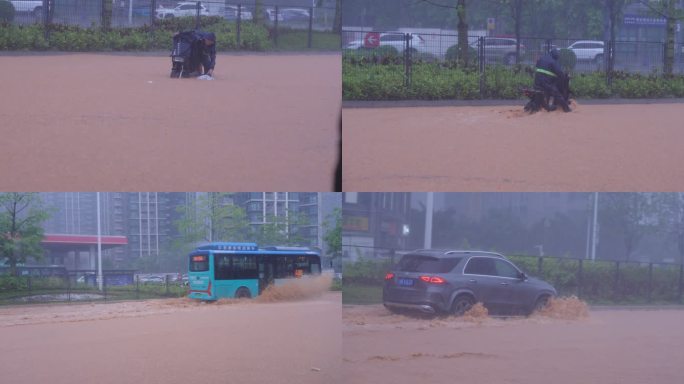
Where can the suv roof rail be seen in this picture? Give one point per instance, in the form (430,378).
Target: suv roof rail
(453,251)
(484,253)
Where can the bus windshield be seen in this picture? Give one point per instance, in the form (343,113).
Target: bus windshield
(199,263)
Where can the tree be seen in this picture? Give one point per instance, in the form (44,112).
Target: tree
(671,209)
(333,233)
(668,10)
(337,21)
(282,230)
(258,16)
(613,9)
(516,11)
(107,14)
(21,231)
(628,214)
(462,28)
(211,218)
(6,12)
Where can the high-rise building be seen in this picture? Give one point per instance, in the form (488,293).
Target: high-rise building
(147,219)
(152,218)
(310,208)
(374,224)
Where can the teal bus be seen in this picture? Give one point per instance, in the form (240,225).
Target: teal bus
(243,270)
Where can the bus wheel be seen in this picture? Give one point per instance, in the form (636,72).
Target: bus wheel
(243,293)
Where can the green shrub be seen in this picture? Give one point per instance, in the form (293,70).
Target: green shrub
(453,54)
(364,77)
(502,83)
(591,86)
(336,285)
(11,283)
(75,38)
(6,12)
(366,271)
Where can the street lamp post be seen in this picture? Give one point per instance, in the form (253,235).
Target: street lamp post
(99,245)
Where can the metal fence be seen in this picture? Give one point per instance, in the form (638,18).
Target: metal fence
(608,281)
(601,281)
(79,287)
(279,19)
(401,55)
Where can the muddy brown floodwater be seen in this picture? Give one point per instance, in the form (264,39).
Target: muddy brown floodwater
(296,341)
(603,347)
(596,147)
(118,122)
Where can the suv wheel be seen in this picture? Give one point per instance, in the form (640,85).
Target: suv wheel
(461,305)
(541,303)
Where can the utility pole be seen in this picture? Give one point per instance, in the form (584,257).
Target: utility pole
(428,220)
(595,229)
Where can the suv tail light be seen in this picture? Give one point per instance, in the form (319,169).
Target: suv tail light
(433,279)
(389,276)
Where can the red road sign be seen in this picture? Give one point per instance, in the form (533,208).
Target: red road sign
(371,40)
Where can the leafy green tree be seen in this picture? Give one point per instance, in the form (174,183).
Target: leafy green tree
(211,218)
(258,16)
(333,233)
(462,28)
(337,21)
(21,231)
(671,218)
(282,230)
(107,14)
(631,215)
(6,11)
(668,10)
(613,9)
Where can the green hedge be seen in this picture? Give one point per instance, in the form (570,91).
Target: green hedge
(365,271)
(74,38)
(381,77)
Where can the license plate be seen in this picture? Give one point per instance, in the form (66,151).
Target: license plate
(405,282)
(178,59)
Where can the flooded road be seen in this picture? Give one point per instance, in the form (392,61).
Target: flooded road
(501,148)
(174,341)
(607,346)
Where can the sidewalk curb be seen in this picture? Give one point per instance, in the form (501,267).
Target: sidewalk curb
(351,104)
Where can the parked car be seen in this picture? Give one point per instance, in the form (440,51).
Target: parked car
(182,9)
(33,7)
(392,39)
(438,281)
(230,12)
(591,50)
(500,49)
(293,14)
(152,279)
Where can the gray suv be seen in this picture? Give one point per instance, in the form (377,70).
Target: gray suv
(442,281)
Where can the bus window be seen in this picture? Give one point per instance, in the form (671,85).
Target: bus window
(302,263)
(245,267)
(222,267)
(284,267)
(199,263)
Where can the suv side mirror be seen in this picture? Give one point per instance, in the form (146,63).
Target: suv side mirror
(522,276)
